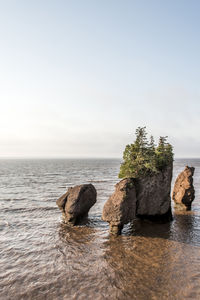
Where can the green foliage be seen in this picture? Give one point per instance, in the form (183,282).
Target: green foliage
(143,157)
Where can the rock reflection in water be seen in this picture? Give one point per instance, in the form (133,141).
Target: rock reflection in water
(83,256)
(146,262)
(185,227)
(149,265)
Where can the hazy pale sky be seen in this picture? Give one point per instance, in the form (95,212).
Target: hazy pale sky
(77,77)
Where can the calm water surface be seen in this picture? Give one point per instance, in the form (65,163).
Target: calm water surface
(41,258)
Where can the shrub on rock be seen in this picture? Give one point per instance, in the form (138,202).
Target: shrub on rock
(144,158)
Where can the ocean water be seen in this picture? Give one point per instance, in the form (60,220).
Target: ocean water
(42,258)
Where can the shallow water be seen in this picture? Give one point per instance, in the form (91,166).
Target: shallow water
(41,258)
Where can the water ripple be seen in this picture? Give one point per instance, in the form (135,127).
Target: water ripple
(43,258)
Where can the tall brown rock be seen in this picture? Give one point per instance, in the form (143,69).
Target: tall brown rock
(120,208)
(183,192)
(153,195)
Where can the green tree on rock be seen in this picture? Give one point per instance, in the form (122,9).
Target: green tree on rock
(143,158)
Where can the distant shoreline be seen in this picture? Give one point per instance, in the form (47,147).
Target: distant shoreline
(82,158)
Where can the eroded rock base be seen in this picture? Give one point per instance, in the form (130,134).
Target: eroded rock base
(115,229)
(162,219)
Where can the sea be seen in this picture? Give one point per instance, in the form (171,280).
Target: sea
(43,258)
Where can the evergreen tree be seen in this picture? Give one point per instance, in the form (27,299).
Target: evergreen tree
(143,157)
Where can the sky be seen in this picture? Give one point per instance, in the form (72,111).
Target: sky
(78,77)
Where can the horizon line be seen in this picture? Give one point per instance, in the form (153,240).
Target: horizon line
(78,157)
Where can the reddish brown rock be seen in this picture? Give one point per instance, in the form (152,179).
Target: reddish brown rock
(76,202)
(183,192)
(120,208)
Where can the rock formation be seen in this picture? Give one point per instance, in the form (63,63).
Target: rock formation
(121,206)
(183,192)
(76,202)
(147,197)
(153,195)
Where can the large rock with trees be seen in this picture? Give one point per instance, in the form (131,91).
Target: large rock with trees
(76,203)
(183,192)
(149,167)
(153,195)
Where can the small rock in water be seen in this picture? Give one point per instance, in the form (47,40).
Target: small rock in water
(120,208)
(76,202)
(183,192)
